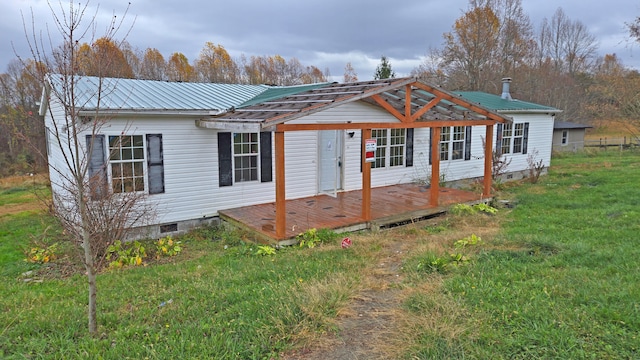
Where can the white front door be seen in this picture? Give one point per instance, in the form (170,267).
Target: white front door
(330,152)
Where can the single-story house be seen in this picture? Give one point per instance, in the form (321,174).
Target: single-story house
(197,149)
(568,136)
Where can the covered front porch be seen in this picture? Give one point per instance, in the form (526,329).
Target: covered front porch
(390,205)
(408,103)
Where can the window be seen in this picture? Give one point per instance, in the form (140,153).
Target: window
(565,137)
(245,156)
(390,147)
(126,157)
(381,148)
(396,147)
(455,143)
(513,138)
(518,135)
(126,160)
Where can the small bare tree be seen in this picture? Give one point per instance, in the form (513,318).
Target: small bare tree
(92,212)
(499,162)
(535,166)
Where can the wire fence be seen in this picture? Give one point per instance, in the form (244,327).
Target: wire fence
(623,142)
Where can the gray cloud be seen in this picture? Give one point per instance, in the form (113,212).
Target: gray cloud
(324,33)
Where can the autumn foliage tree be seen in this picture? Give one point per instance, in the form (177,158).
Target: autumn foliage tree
(215,65)
(153,65)
(470,47)
(103,58)
(179,69)
(22,136)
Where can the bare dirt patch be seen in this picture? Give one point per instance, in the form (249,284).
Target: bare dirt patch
(9,209)
(29,202)
(14,181)
(368,319)
(374,324)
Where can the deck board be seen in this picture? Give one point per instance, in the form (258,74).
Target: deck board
(389,204)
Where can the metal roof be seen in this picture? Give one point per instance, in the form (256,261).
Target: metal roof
(277,92)
(150,95)
(497,103)
(569,125)
(390,92)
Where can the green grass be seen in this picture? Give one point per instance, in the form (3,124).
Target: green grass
(220,300)
(560,281)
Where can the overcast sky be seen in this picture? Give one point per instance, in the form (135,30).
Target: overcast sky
(323,33)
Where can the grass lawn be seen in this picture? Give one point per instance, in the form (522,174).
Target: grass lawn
(558,278)
(559,281)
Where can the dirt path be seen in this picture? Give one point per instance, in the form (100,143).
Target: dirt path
(367,324)
(9,209)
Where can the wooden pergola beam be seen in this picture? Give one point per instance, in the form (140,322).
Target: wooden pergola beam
(488,161)
(435,167)
(385,105)
(458,101)
(426,108)
(407,104)
(281,210)
(366,179)
(362,126)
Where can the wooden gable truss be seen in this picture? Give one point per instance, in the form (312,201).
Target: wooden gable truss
(413,103)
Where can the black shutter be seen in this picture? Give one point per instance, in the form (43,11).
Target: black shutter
(155,164)
(499,140)
(430,145)
(467,143)
(525,138)
(225,168)
(97,165)
(409,147)
(265,157)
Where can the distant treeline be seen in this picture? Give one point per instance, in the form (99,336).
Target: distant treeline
(556,64)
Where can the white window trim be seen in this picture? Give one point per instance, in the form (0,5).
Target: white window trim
(387,149)
(110,161)
(451,141)
(512,128)
(248,155)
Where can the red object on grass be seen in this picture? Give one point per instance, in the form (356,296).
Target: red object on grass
(346,242)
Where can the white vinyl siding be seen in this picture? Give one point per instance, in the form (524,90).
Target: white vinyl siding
(190,159)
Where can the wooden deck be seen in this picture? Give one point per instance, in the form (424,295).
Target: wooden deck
(389,205)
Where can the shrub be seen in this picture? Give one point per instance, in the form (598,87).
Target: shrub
(462,209)
(125,254)
(166,246)
(266,250)
(42,254)
(308,238)
(468,241)
(433,263)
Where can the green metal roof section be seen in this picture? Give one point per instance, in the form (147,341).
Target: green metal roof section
(497,103)
(277,92)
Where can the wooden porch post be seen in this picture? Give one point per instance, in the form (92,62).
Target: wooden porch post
(366,178)
(435,166)
(281,211)
(488,159)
